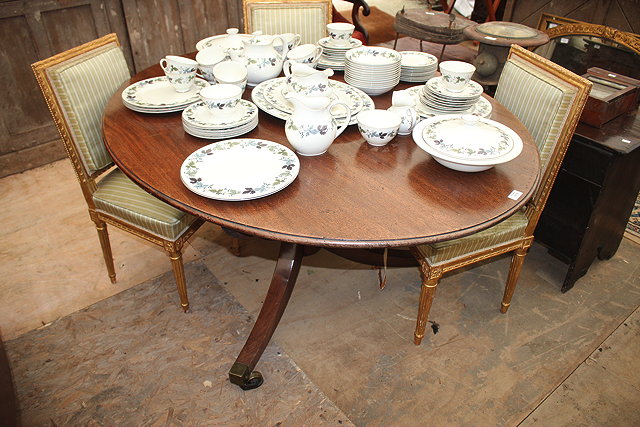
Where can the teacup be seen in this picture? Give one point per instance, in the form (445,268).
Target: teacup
(340,33)
(378,127)
(305,54)
(231,72)
(221,99)
(456,74)
(292,40)
(207,58)
(180,71)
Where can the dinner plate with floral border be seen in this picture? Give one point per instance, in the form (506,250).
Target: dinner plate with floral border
(239,169)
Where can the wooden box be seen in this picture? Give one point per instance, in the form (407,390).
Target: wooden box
(611,96)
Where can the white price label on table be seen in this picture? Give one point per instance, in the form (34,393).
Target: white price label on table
(515,195)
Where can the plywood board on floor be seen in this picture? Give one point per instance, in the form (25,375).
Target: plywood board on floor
(51,263)
(135,359)
(355,341)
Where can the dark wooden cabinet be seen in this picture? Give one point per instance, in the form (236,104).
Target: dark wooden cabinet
(593,196)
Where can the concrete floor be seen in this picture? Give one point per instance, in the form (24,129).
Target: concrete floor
(554,359)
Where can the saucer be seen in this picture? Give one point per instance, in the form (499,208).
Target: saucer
(328,43)
(200,117)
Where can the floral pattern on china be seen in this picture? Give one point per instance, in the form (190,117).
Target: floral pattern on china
(374,134)
(373,55)
(274,167)
(190,114)
(437,86)
(468,137)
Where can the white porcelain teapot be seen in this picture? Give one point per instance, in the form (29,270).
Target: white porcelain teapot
(305,80)
(311,128)
(260,57)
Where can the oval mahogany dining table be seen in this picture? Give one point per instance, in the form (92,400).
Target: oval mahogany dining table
(355,196)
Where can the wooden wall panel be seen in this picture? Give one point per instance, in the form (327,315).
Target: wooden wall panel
(172,27)
(31,30)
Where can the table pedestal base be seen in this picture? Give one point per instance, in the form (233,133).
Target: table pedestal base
(282,283)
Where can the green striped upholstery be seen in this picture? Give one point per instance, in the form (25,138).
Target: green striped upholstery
(539,100)
(120,197)
(307,19)
(83,86)
(510,229)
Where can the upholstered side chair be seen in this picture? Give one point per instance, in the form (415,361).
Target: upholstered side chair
(76,85)
(309,18)
(548,100)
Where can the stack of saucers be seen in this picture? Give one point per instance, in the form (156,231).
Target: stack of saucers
(417,67)
(436,97)
(201,122)
(157,95)
(374,70)
(332,55)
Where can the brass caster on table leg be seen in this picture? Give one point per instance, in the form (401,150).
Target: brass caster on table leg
(243,377)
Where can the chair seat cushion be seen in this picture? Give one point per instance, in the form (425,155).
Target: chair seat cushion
(120,197)
(510,229)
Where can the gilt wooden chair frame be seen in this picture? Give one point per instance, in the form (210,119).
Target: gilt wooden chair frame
(88,181)
(432,275)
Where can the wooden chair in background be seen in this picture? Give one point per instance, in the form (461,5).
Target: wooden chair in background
(309,18)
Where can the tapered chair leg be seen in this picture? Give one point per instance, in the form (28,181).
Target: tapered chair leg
(103,235)
(178,273)
(514,273)
(430,279)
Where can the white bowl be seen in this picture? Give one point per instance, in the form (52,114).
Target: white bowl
(378,127)
(454,156)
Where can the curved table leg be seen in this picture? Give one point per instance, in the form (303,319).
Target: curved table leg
(282,283)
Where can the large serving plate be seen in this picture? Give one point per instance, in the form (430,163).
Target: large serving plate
(276,88)
(257,96)
(239,169)
(157,95)
(464,146)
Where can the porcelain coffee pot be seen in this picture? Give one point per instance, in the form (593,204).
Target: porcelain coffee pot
(305,80)
(260,57)
(311,128)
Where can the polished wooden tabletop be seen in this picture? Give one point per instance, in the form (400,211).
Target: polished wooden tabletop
(353,196)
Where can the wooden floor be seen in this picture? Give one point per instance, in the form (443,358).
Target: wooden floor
(343,351)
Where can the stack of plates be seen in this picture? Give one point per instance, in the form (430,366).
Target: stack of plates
(436,97)
(157,95)
(374,70)
(199,121)
(481,108)
(333,56)
(417,66)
